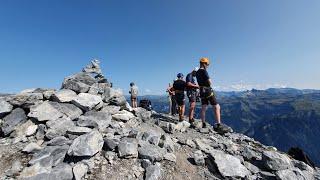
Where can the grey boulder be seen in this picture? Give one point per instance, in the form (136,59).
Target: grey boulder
(79,82)
(94,119)
(142,113)
(229,166)
(151,152)
(50,156)
(26,100)
(69,110)
(64,95)
(32,148)
(275,161)
(199,158)
(86,101)
(5,108)
(58,127)
(62,171)
(17,116)
(128,148)
(45,112)
(153,172)
(59,141)
(111,109)
(79,170)
(86,145)
(78,130)
(123,116)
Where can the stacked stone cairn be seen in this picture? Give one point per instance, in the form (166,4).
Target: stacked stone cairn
(87,130)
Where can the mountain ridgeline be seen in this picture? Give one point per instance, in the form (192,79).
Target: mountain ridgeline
(283,118)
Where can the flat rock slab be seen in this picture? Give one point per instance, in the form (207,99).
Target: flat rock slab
(58,127)
(80,170)
(78,130)
(229,166)
(5,108)
(59,141)
(94,119)
(50,156)
(32,148)
(62,171)
(128,148)
(31,130)
(111,109)
(153,172)
(295,173)
(45,112)
(64,95)
(123,116)
(275,161)
(17,116)
(69,110)
(151,152)
(26,100)
(86,145)
(87,101)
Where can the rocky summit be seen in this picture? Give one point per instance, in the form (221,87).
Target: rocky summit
(87,130)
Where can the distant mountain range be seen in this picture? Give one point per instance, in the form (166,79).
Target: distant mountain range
(283,118)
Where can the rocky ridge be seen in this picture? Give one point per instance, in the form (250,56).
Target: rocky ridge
(87,130)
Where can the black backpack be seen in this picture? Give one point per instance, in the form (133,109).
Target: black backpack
(146,104)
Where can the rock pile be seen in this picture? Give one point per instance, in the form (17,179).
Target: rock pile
(87,130)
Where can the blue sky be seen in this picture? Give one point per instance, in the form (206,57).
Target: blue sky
(252,44)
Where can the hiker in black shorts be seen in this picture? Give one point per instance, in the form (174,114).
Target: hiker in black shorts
(192,93)
(208,96)
(172,100)
(179,87)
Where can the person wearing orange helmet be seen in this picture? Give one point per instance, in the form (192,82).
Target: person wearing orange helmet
(207,96)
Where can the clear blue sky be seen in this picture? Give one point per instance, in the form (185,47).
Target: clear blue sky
(265,43)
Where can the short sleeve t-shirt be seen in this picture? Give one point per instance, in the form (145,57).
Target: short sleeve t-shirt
(203,77)
(179,85)
(190,79)
(134,91)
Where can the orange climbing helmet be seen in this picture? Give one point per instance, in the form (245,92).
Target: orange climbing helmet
(205,60)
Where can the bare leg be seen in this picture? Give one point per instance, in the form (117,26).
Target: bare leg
(170,105)
(191,112)
(203,113)
(216,110)
(182,111)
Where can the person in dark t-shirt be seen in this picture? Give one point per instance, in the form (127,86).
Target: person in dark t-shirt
(192,93)
(208,96)
(179,87)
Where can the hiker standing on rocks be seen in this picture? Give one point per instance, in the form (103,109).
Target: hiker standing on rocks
(173,103)
(134,95)
(192,93)
(169,98)
(179,87)
(207,96)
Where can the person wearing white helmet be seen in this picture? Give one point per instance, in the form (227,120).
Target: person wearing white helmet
(192,93)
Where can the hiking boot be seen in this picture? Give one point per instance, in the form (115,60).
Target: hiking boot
(204,125)
(222,129)
(192,125)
